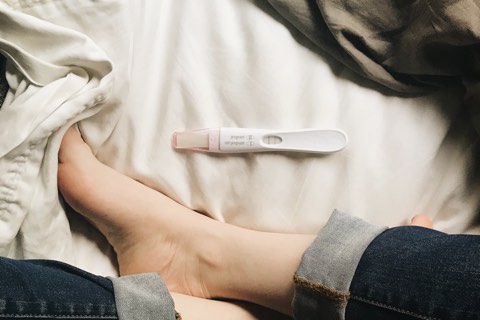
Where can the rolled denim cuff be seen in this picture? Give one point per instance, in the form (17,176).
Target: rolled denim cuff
(143,297)
(323,278)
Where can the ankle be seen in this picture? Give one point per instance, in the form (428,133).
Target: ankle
(226,264)
(215,259)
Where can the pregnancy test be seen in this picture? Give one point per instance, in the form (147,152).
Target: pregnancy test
(239,140)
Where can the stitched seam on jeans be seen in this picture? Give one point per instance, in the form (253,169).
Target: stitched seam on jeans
(331,293)
(399,310)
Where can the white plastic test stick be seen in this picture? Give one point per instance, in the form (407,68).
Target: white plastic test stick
(238,140)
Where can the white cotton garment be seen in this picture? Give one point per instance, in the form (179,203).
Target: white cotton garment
(57,77)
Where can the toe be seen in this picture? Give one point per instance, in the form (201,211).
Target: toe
(422,220)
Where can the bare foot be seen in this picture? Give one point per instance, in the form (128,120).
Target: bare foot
(195,255)
(148,231)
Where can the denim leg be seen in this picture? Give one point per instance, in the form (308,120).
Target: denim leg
(417,273)
(144,297)
(323,278)
(43,289)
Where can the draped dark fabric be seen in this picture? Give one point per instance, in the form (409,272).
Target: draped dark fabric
(405,45)
(3,81)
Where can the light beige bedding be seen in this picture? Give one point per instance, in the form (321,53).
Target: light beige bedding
(187,64)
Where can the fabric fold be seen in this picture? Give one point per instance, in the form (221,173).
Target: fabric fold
(56,77)
(143,297)
(323,278)
(409,47)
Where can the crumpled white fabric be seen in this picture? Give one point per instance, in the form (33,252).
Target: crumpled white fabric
(57,77)
(187,64)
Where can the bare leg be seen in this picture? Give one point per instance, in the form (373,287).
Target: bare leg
(203,309)
(195,255)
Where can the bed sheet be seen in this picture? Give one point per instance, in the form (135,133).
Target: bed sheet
(199,64)
(191,64)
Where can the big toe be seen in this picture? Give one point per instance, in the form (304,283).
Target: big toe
(422,220)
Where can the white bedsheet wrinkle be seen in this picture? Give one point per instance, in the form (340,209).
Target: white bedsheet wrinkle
(193,67)
(56,77)
(186,64)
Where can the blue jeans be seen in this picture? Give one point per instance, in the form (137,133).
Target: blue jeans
(356,271)
(417,273)
(352,271)
(53,290)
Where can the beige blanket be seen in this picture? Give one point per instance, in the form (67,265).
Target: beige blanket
(407,46)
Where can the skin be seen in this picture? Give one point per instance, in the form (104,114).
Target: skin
(195,255)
